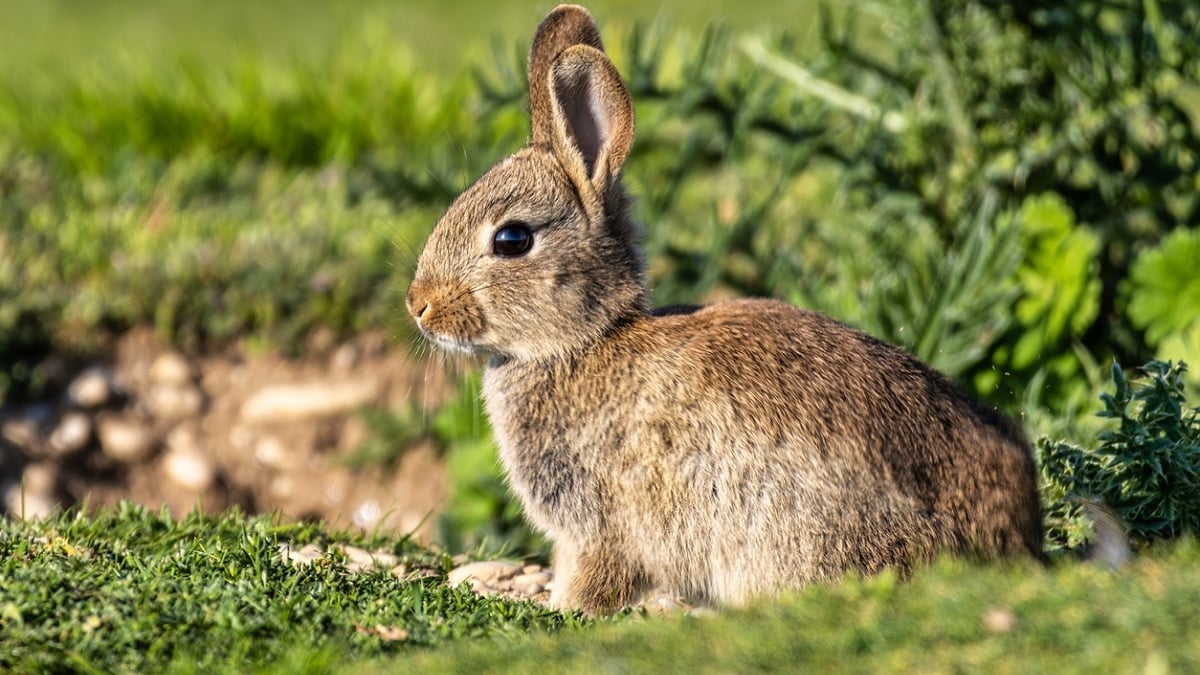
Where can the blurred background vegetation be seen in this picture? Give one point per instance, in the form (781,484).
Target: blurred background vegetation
(1009,190)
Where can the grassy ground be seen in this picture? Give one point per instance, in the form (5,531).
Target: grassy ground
(131,590)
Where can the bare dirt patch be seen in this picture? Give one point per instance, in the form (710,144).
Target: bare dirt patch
(235,428)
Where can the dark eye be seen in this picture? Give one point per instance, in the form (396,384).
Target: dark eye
(512,240)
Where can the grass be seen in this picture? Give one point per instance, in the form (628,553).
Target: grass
(61,38)
(132,590)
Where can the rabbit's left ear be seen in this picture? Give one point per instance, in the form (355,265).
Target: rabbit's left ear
(592,116)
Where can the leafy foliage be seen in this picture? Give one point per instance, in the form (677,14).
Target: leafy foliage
(1163,292)
(1147,469)
(1067,116)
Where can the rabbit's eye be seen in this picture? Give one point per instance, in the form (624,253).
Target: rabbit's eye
(512,240)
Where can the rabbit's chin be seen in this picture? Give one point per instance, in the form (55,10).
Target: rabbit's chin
(455,346)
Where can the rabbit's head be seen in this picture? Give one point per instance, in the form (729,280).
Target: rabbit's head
(539,258)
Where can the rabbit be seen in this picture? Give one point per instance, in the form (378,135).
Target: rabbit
(720,453)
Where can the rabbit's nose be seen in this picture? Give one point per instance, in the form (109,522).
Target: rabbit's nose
(415,301)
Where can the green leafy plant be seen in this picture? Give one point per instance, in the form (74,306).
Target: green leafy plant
(1147,469)
(1163,295)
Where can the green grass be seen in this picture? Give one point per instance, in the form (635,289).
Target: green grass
(55,37)
(1074,617)
(130,590)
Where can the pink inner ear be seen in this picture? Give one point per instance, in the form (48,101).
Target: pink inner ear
(585,122)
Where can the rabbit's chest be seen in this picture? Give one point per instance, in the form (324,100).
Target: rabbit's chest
(551,454)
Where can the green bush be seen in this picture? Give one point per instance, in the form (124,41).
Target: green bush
(1147,469)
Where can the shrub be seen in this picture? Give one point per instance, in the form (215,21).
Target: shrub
(1147,469)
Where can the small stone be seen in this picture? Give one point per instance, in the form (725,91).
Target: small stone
(487,573)
(91,389)
(400,571)
(171,369)
(189,469)
(384,633)
(365,559)
(531,584)
(367,514)
(999,620)
(182,439)
(41,478)
(282,487)
(125,439)
(283,403)
(270,451)
(22,502)
(420,573)
(305,555)
(23,432)
(73,433)
(662,603)
(531,569)
(343,359)
(174,402)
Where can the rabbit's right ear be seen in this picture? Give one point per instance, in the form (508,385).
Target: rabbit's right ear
(577,101)
(566,26)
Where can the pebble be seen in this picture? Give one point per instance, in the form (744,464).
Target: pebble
(282,487)
(33,496)
(25,503)
(41,478)
(91,389)
(174,402)
(662,604)
(23,428)
(305,555)
(360,559)
(21,432)
(367,514)
(73,433)
(282,403)
(530,584)
(171,369)
(189,469)
(125,439)
(486,573)
(270,451)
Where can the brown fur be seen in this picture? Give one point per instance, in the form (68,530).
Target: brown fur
(721,452)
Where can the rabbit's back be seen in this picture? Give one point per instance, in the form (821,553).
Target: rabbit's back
(755,437)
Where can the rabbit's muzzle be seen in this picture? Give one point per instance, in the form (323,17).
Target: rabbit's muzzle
(447,315)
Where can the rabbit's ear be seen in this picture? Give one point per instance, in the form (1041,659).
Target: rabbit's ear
(566,26)
(593,116)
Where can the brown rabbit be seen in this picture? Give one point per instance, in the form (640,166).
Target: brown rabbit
(721,452)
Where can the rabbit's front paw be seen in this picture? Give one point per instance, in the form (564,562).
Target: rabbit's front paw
(596,579)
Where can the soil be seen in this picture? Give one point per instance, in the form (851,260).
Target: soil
(236,428)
